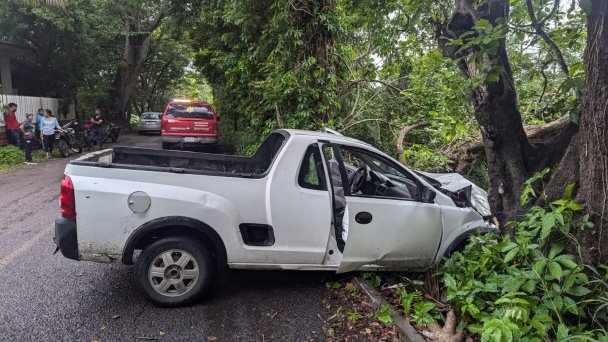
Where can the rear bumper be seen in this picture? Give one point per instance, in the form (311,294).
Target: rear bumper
(189,140)
(149,128)
(66,238)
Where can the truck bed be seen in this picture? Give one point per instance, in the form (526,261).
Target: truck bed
(189,162)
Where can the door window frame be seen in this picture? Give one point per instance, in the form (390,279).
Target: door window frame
(337,149)
(314,151)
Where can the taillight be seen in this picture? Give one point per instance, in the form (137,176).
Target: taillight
(66,199)
(163,126)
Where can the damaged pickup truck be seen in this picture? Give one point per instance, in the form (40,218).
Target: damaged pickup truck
(304,201)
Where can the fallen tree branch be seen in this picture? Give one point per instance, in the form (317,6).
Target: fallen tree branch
(465,156)
(404,131)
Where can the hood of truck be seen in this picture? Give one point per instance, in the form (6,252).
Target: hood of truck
(455,182)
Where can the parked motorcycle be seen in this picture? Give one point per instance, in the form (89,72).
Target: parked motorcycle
(86,130)
(67,139)
(112,132)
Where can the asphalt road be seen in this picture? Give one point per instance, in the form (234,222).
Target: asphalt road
(45,297)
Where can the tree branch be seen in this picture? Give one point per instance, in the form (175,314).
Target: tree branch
(538,28)
(365,120)
(555,8)
(392,87)
(404,131)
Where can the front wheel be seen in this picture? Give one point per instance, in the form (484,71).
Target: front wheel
(174,272)
(76,147)
(63,148)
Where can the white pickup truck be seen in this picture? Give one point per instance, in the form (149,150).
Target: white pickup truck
(305,201)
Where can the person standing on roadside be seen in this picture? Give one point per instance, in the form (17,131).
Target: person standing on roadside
(96,130)
(28,129)
(12,125)
(47,131)
(39,118)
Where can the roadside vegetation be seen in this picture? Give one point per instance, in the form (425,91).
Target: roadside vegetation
(529,286)
(12,158)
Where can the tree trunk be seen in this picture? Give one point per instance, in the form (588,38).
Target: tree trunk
(586,161)
(511,157)
(137,47)
(307,16)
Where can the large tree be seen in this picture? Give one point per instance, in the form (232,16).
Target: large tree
(140,20)
(586,161)
(474,35)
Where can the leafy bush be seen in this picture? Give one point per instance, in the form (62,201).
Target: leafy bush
(527,287)
(383,315)
(10,156)
(414,305)
(134,121)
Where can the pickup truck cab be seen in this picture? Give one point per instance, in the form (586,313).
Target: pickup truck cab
(304,201)
(187,122)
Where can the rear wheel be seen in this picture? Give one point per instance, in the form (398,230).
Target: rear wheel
(63,148)
(174,272)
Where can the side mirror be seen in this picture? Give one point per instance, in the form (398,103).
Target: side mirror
(427,195)
(218,118)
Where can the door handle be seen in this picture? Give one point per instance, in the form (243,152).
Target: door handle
(363,217)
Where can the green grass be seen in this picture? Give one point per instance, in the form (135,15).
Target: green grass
(12,158)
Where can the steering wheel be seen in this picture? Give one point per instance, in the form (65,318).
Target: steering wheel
(358,180)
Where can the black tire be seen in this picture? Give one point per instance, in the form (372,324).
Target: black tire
(153,254)
(76,147)
(114,138)
(63,148)
(140,133)
(166,146)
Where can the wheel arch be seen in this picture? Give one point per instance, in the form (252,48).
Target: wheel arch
(464,236)
(176,226)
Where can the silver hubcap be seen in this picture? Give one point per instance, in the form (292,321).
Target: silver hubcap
(173,273)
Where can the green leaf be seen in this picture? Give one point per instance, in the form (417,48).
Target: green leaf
(508,246)
(539,266)
(449,281)
(555,250)
(548,223)
(475,328)
(539,327)
(579,291)
(555,270)
(568,191)
(384,315)
(571,305)
(529,286)
(562,331)
(567,261)
(512,253)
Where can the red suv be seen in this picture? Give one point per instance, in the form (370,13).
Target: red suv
(186,122)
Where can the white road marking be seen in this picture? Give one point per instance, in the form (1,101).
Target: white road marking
(25,246)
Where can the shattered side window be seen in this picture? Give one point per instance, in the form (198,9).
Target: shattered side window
(311,170)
